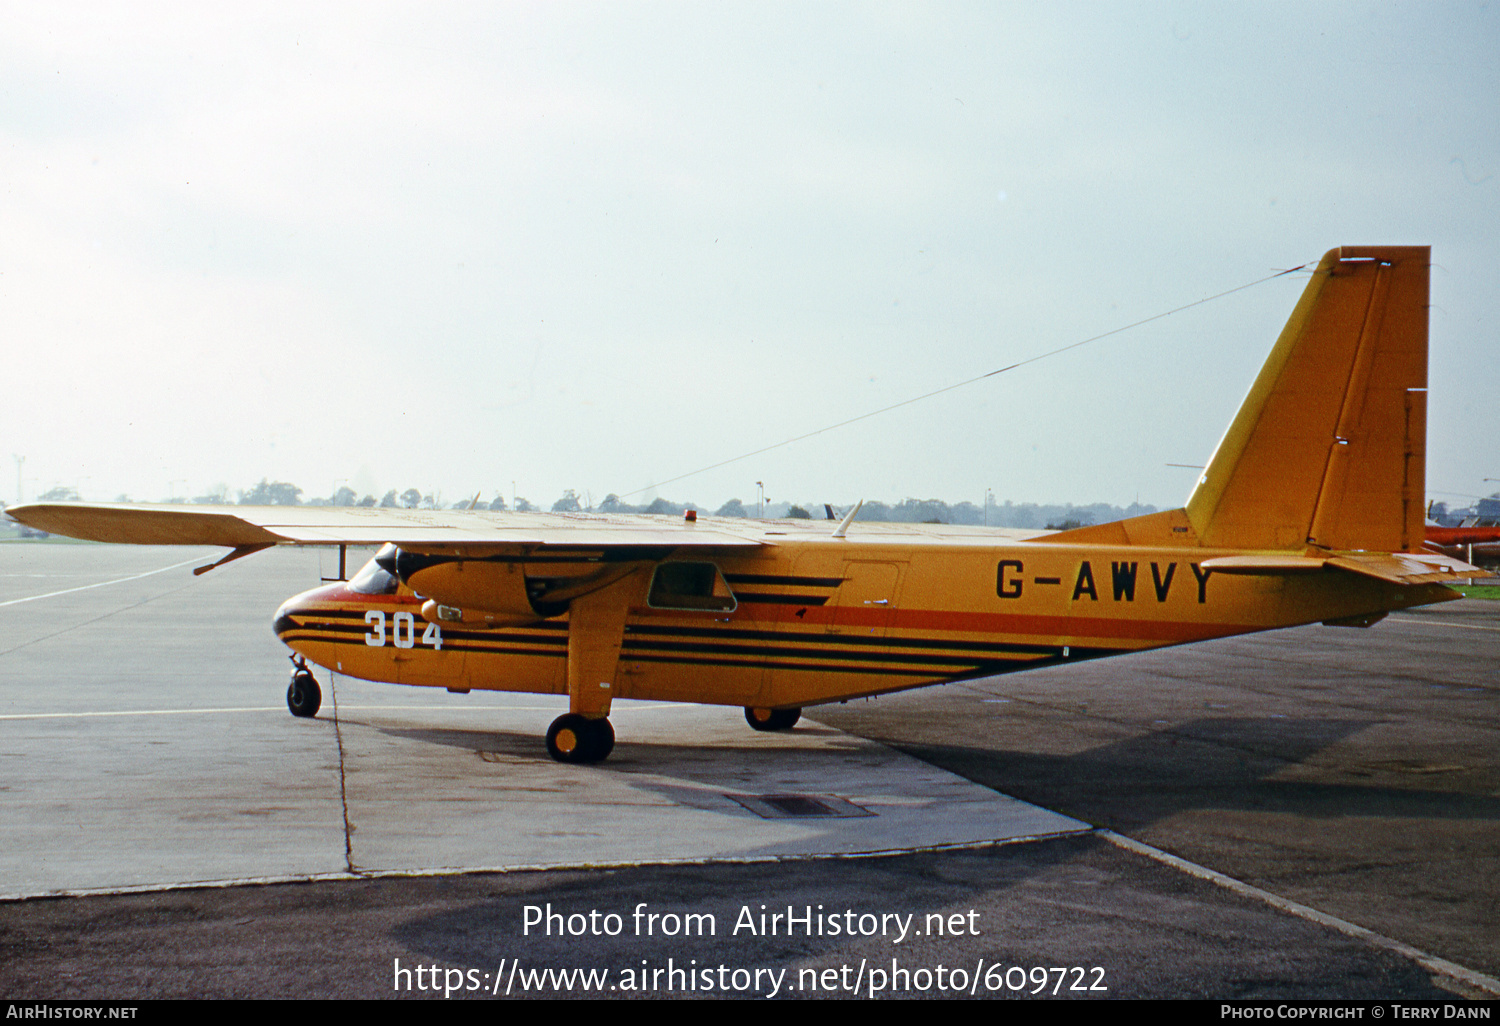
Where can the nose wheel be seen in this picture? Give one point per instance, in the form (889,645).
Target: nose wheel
(303,696)
(772,719)
(575,738)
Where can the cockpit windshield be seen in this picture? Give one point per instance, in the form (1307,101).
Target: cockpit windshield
(377,577)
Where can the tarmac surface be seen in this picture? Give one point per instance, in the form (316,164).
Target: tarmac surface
(1344,782)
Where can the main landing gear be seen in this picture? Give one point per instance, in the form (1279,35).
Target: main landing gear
(772,719)
(576,738)
(303,696)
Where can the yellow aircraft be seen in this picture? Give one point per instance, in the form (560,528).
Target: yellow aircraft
(1310,510)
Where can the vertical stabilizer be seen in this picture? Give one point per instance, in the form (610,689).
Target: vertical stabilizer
(1329,448)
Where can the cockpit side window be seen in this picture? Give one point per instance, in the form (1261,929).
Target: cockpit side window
(690,586)
(374,579)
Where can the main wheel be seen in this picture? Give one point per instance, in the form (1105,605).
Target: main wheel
(303,696)
(772,719)
(578,739)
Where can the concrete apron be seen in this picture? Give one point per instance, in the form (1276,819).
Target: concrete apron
(433,783)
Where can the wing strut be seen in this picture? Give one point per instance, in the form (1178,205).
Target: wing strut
(235,553)
(343,573)
(596,629)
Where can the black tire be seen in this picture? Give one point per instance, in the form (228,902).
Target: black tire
(578,739)
(303,696)
(603,740)
(772,719)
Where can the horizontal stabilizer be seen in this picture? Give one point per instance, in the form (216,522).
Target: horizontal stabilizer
(1407,567)
(1397,567)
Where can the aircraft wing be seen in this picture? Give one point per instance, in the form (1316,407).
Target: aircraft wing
(469,532)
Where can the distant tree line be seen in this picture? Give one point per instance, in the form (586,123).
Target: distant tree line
(282,493)
(910,511)
(907,511)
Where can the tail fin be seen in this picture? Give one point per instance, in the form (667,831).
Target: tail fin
(1329,448)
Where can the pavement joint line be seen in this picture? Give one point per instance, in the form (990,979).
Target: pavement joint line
(1433,963)
(350,708)
(338,736)
(539,867)
(135,712)
(100,584)
(1441,623)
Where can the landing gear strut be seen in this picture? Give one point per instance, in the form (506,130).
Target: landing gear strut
(772,719)
(303,696)
(575,738)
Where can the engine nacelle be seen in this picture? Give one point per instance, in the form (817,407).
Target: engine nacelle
(434,611)
(484,592)
(469,592)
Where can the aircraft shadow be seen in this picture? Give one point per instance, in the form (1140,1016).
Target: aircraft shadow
(1226,763)
(629,756)
(1242,764)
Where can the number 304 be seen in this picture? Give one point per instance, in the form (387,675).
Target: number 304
(403,631)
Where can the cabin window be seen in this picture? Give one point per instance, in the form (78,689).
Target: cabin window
(690,586)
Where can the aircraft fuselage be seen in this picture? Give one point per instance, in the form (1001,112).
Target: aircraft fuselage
(820,620)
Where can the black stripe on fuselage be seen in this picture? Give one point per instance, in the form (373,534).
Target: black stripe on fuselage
(631,647)
(556,633)
(835,649)
(792,582)
(827,638)
(502,646)
(701,641)
(928,665)
(971,670)
(753,597)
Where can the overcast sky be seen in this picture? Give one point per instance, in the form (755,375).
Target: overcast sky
(597,247)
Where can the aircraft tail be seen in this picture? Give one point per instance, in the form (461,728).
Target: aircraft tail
(1329,448)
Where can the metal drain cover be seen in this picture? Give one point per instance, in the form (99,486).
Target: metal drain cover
(799,806)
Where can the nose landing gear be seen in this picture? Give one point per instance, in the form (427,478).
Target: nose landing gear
(303,696)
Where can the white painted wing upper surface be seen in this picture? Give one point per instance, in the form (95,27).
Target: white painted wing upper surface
(473,533)
(335,525)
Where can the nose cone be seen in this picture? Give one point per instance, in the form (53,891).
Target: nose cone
(299,615)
